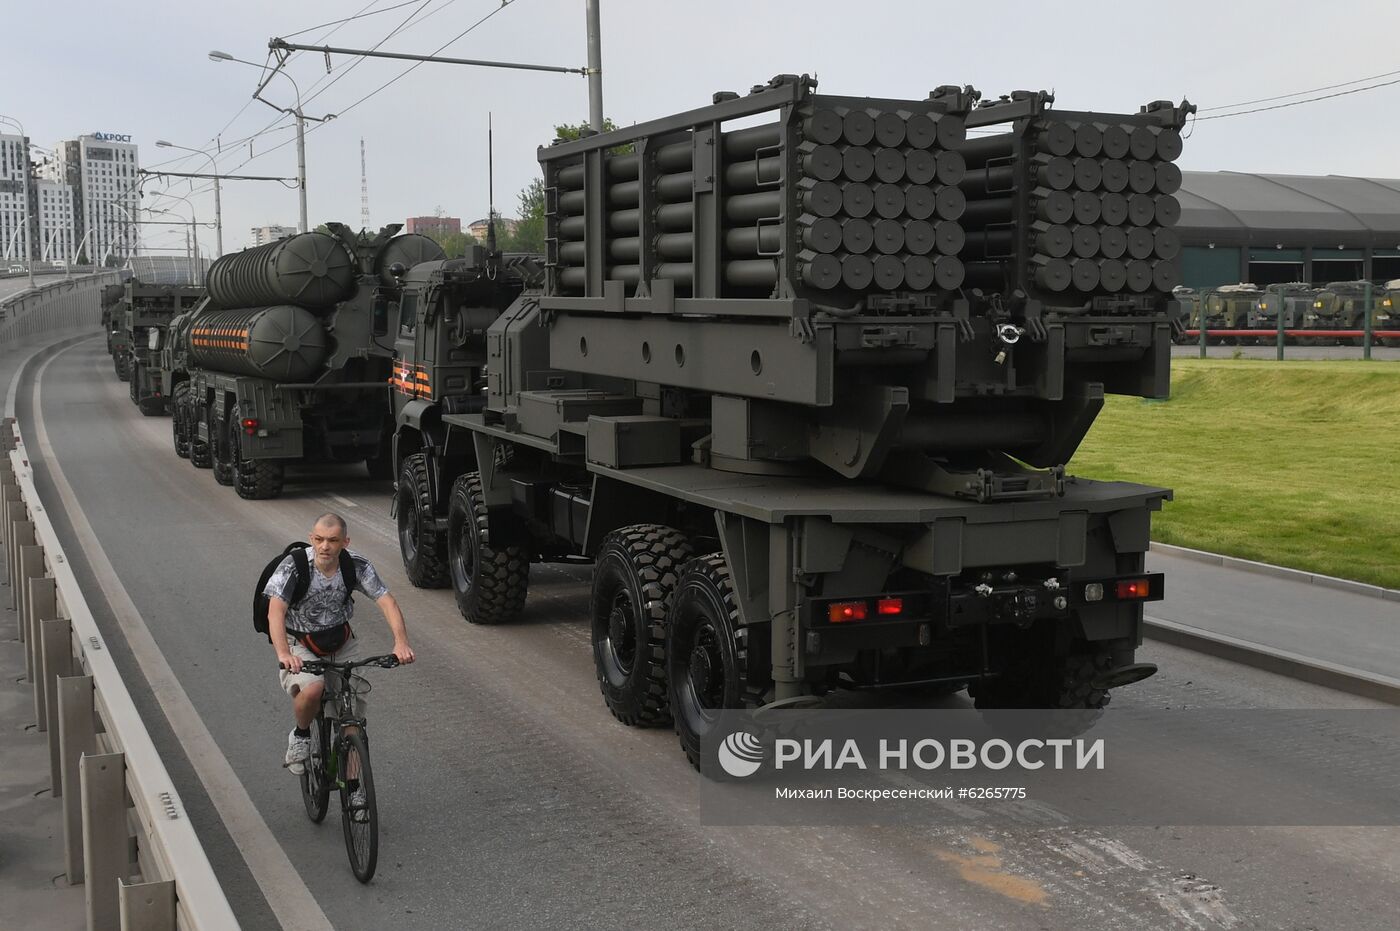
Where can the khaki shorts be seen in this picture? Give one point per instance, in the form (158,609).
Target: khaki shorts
(291,684)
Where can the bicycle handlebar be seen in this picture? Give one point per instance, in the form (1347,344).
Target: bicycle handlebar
(387,661)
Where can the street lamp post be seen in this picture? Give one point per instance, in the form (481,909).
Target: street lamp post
(301,119)
(218,209)
(28,220)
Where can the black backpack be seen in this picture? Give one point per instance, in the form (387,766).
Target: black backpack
(301,566)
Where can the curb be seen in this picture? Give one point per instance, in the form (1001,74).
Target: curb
(1280,662)
(1282,572)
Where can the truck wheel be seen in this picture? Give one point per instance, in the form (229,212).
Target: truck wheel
(179,416)
(254,479)
(201,457)
(134,383)
(218,441)
(489,582)
(1035,680)
(633,577)
(120,360)
(706,651)
(421,547)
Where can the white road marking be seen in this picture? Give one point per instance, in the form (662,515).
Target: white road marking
(343,502)
(288,896)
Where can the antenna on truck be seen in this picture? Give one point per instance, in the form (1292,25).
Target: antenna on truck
(490,187)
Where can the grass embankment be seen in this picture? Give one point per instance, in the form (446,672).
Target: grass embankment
(1292,463)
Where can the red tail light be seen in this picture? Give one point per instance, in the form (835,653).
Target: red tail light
(250,425)
(890,606)
(843,611)
(1133,588)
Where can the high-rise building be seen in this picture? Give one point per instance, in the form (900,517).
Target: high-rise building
(15,238)
(263,235)
(57,229)
(101,169)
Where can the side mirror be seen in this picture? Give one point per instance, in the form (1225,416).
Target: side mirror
(379,316)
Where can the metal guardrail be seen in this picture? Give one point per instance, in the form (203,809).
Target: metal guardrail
(127,836)
(55,305)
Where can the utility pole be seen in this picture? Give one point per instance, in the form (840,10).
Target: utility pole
(595,68)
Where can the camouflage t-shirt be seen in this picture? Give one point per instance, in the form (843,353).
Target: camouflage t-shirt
(325,605)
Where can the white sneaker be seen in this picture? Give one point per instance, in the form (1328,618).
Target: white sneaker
(298,752)
(358,811)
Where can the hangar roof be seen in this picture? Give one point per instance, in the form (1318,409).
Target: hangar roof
(1296,207)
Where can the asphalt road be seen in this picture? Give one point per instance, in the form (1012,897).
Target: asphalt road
(510,798)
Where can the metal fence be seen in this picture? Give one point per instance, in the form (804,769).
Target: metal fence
(57,305)
(127,836)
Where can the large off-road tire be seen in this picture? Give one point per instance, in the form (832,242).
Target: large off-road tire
(424,549)
(489,582)
(134,383)
(633,577)
(179,420)
(254,479)
(1041,680)
(706,651)
(219,441)
(201,453)
(121,362)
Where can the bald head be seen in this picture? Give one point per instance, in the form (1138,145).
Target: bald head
(334,522)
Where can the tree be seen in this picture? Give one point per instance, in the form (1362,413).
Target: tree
(530,227)
(528,235)
(454,245)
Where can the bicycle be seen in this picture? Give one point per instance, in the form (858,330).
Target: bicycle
(338,754)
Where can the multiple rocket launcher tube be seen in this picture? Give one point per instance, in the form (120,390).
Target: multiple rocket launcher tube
(1102,205)
(894,196)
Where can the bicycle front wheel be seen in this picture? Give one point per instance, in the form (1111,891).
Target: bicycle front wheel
(316,779)
(361,820)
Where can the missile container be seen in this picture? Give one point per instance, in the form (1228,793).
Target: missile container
(287,359)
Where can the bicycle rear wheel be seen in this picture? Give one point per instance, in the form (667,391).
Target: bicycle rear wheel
(316,780)
(361,822)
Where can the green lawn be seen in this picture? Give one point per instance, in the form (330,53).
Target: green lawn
(1292,463)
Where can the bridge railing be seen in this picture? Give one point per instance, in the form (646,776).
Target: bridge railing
(55,305)
(127,834)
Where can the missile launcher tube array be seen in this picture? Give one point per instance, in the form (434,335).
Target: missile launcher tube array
(852,196)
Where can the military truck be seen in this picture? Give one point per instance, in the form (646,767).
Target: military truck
(1345,305)
(1189,301)
(1388,311)
(285,360)
(1294,298)
(118,344)
(803,393)
(140,317)
(1228,307)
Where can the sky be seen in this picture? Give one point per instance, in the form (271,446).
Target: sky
(142,68)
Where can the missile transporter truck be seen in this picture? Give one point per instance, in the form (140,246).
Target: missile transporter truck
(140,318)
(287,358)
(803,393)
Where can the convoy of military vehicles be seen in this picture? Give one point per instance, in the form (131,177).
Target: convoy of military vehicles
(1337,311)
(802,392)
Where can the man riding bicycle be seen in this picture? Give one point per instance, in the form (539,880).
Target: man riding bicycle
(317,626)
